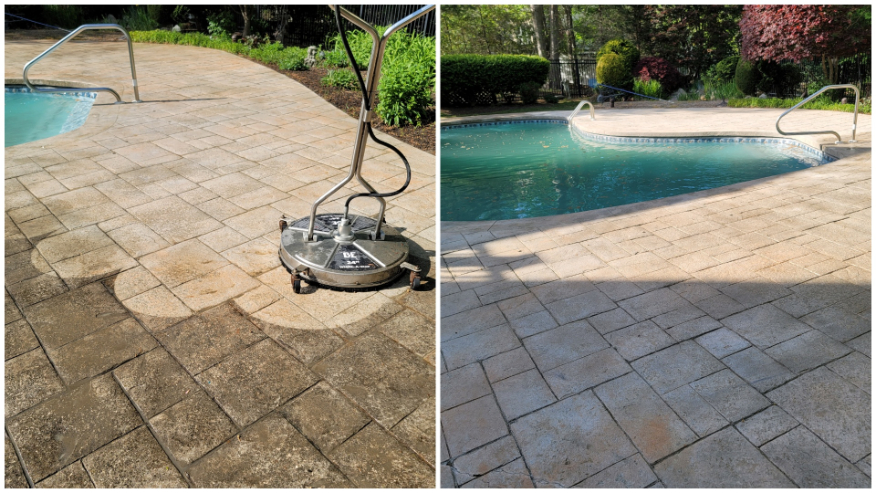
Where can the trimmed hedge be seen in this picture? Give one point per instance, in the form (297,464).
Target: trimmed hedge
(611,69)
(467,80)
(747,77)
(628,53)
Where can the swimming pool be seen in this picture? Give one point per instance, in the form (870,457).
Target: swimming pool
(33,116)
(531,169)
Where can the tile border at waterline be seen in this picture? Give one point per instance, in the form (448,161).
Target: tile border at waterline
(611,139)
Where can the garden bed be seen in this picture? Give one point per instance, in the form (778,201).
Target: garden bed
(350,101)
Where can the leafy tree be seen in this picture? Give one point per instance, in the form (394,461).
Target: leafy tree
(694,36)
(538,26)
(805,32)
(653,68)
(487,29)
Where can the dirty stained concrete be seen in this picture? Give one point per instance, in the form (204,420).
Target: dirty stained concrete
(152,337)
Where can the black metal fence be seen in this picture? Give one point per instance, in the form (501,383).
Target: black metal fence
(386,15)
(572,76)
(311,24)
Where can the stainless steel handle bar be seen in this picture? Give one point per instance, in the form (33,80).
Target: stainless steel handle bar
(74,33)
(825,88)
(578,108)
(378,49)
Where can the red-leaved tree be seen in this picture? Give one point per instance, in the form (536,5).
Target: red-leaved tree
(651,67)
(805,32)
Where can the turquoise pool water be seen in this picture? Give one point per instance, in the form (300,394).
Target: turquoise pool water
(509,171)
(34,116)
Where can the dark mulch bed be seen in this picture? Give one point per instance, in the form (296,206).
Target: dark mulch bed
(422,138)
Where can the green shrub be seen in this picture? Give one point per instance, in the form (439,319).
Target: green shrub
(267,53)
(827,96)
(138,19)
(529,92)
(625,49)
(612,70)
(69,16)
(722,72)
(651,88)
(340,78)
(360,45)
(221,23)
(407,80)
(747,76)
(292,58)
(689,96)
(551,98)
(465,79)
(725,70)
(723,91)
(335,59)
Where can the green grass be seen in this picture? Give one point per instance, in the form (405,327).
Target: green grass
(864,108)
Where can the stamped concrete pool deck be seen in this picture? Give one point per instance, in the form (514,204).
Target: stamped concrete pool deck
(152,336)
(716,339)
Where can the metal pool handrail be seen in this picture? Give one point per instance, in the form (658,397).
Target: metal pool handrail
(825,88)
(70,36)
(578,108)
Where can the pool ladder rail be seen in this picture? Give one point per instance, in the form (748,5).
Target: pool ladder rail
(825,88)
(578,108)
(74,33)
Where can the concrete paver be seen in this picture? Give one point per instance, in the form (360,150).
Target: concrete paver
(811,463)
(143,286)
(715,339)
(578,429)
(135,460)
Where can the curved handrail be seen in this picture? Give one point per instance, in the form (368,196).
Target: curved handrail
(578,108)
(816,93)
(68,37)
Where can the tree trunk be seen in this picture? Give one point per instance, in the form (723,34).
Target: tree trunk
(538,27)
(573,50)
(571,30)
(555,33)
(244,12)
